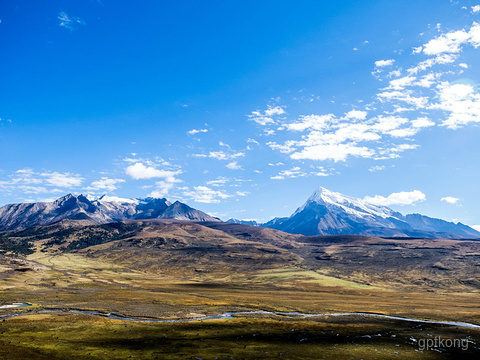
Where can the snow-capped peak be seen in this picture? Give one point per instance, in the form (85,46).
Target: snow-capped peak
(329,213)
(116,199)
(351,205)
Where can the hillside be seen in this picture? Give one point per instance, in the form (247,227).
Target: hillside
(186,249)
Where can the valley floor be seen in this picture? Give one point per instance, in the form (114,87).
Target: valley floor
(76,281)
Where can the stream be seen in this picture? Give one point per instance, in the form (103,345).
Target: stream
(226,315)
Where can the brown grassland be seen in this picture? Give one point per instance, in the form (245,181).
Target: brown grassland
(162,270)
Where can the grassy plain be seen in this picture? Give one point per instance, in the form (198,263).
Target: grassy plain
(98,279)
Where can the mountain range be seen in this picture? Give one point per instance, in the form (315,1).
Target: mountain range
(324,213)
(331,213)
(104,210)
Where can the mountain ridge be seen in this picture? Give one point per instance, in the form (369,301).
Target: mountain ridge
(97,211)
(324,213)
(330,213)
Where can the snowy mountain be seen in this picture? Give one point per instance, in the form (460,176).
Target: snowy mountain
(95,211)
(328,213)
(243,222)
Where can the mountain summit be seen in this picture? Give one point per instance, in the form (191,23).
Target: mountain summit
(103,210)
(329,213)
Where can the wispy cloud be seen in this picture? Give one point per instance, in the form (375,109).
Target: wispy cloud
(377,168)
(220,181)
(69,22)
(220,155)
(29,181)
(105,184)
(294,172)
(204,194)
(266,117)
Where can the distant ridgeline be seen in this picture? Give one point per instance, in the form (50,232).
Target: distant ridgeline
(324,213)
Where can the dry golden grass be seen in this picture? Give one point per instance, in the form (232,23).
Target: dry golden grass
(167,274)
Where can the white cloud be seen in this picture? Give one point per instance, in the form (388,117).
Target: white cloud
(331,138)
(266,117)
(335,152)
(314,122)
(446,43)
(204,194)
(29,181)
(392,152)
(295,172)
(405,132)
(394,73)
(105,183)
(197,131)
(69,22)
(375,130)
(162,188)
(356,115)
(400,198)
(286,148)
(220,181)
(33,189)
(386,124)
(234,166)
(139,171)
(222,155)
(428,80)
(65,180)
(422,122)
(383,63)
(401,83)
(475,9)
(417,50)
(253,141)
(450,199)
(277,110)
(377,168)
(443,59)
(461,102)
(452,42)
(323,172)
(406,96)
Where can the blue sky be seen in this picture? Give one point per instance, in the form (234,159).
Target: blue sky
(243,108)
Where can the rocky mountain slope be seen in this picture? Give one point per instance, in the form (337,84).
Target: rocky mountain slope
(94,211)
(330,213)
